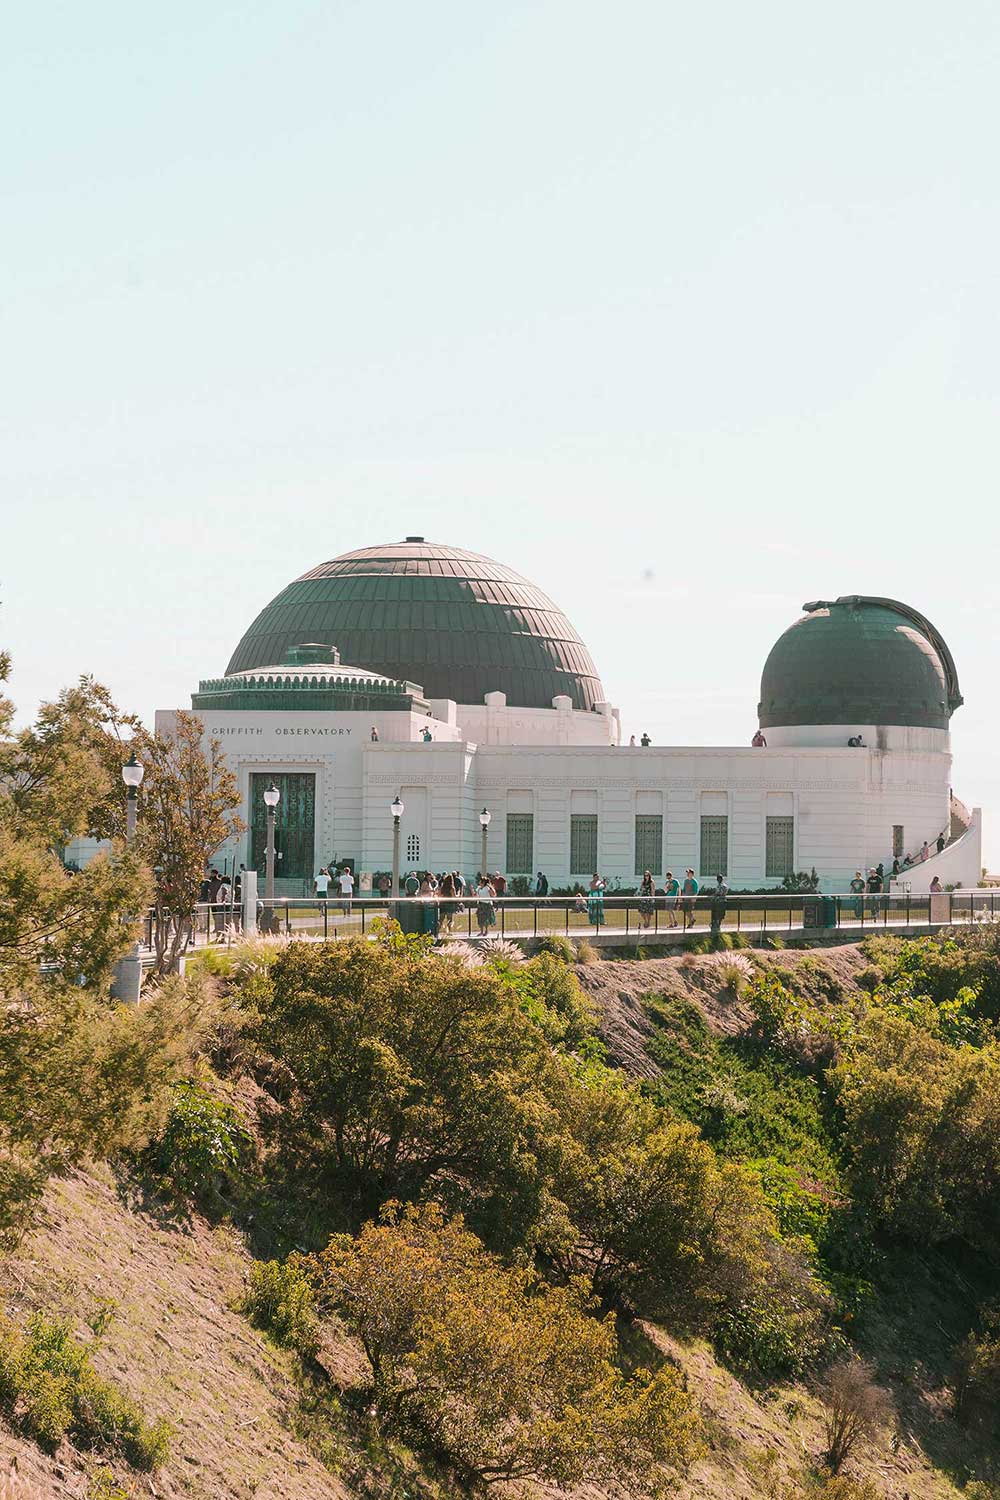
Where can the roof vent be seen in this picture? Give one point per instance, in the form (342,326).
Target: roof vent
(413,539)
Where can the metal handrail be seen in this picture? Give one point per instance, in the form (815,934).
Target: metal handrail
(532,916)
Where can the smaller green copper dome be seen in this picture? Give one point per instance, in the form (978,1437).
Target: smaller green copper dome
(859,660)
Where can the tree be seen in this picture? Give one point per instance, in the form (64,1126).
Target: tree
(856,1409)
(408,1071)
(77,1075)
(511,1378)
(922,1126)
(189,799)
(664,1229)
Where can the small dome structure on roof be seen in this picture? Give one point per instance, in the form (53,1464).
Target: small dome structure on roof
(859,660)
(456,622)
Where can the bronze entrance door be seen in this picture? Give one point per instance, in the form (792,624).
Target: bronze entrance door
(294,830)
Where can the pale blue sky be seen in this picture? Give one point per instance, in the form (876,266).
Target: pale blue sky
(710,291)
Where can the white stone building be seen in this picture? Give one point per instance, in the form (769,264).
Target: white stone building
(481,694)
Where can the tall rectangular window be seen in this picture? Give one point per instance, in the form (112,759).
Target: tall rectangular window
(780,850)
(714,846)
(649,843)
(897,841)
(582,843)
(520,843)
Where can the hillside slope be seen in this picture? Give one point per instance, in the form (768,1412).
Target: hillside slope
(161,1287)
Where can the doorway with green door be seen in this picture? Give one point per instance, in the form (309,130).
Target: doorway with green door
(294,830)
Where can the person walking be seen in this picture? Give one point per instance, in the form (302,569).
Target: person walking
(631,741)
(322,884)
(759,742)
(485,910)
(719,904)
(858,889)
(941,841)
(689,892)
(374,735)
(925,850)
(595,902)
(449,906)
(346,882)
(541,885)
(647,899)
(672,891)
(429,913)
(223,898)
(875,892)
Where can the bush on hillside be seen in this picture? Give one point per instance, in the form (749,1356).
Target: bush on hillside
(279,1299)
(921,1129)
(50,1390)
(512,1379)
(558,946)
(202,1143)
(856,1409)
(666,1230)
(406,1072)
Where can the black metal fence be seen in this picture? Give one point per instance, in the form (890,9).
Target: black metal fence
(521,917)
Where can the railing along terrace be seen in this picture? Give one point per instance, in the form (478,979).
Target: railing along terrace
(632,916)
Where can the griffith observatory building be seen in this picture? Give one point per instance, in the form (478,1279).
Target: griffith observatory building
(481,694)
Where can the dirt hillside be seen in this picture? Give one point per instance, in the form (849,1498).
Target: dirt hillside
(617,989)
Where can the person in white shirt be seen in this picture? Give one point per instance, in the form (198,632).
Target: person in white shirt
(322,883)
(346,881)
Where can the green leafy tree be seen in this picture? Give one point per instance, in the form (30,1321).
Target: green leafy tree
(188,805)
(77,1076)
(407,1071)
(513,1379)
(922,1128)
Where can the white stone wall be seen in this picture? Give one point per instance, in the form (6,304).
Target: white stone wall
(844,802)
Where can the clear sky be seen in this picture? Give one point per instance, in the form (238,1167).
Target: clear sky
(690,312)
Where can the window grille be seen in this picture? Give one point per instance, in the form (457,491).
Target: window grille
(898,844)
(714,846)
(780,851)
(582,843)
(649,844)
(413,847)
(520,843)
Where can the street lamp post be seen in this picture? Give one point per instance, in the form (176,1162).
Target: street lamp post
(272,797)
(127,980)
(485,818)
(397,809)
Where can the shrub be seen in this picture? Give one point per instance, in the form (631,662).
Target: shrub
(49,1388)
(406,1072)
(203,1140)
(734,971)
(501,952)
(559,946)
(279,1299)
(786,1114)
(665,1230)
(922,1129)
(856,1409)
(586,953)
(512,1379)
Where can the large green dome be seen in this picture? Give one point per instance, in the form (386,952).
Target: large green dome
(859,660)
(455,622)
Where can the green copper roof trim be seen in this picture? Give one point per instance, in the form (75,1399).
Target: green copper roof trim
(860,659)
